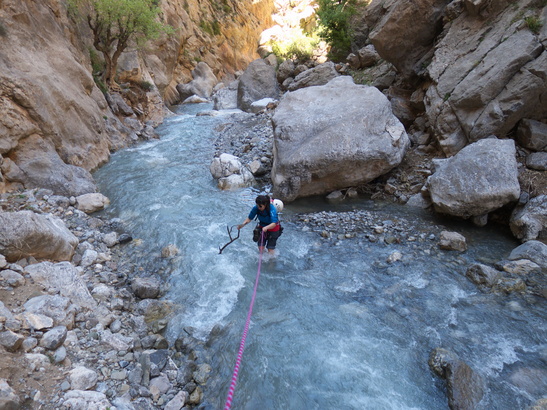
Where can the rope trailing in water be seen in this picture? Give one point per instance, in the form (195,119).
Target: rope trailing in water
(230,397)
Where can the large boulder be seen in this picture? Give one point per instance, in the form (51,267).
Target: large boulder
(257,82)
(24,234)
(333,136)
(226,98)
(530,221)
(202,84)
(41,167)
(481,178)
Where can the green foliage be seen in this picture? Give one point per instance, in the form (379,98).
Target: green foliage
(298,48)
(334,27)
(223,6)
(97,69)
(360,77)
(533,23)
(115,23)
(146,86)
(97,65)
(212,28)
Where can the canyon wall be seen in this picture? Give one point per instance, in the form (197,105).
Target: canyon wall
(53,116)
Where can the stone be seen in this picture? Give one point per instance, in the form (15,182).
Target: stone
(257,82)
(11,341)
(533,250)
(11,278)
(452,241)
(348,130)
(110,239)
(81,399)
(465,388)
(230,172)
(56,307)
(159,386)
(529,222)
(226,98)
(177,402)
(24,234)
(8,398)
(202,373)
(36,321)
(537,161)
(82,378)
(481,88)
(54,338)
(91,202)
(482,275)
(64,278)
(319,75)
(169,251)
(202,84)
(532,135)
(521,267)
(146,288)
(492,184)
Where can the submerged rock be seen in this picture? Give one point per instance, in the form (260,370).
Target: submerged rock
(465,388)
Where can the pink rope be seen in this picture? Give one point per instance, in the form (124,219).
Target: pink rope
(230,397)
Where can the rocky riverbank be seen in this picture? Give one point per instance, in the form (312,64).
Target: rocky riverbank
(88,333)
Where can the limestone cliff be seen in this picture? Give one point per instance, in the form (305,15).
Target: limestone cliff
(51,107)
(474,68)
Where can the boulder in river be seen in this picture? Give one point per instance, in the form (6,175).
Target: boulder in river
(333,136)
(481,178)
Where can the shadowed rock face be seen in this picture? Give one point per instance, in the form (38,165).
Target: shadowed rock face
(333,136)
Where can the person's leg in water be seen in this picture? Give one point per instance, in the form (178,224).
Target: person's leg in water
(272,242)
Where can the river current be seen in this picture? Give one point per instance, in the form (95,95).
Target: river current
(334,325)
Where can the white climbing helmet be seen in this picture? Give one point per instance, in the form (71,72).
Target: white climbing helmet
(278,204)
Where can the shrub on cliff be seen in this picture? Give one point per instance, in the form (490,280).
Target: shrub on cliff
(115,23)
(334,26)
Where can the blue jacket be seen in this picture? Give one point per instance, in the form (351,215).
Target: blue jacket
(263,216)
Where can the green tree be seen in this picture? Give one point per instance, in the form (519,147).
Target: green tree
(334,25)
(114,23)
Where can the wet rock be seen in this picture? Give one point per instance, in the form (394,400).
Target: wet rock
(482,275)
(465,388)
(146,288)
(452,241)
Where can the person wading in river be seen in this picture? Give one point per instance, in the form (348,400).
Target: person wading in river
(268,229)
